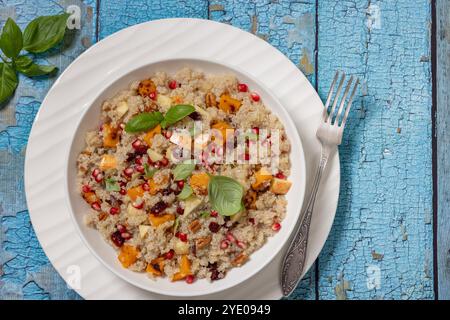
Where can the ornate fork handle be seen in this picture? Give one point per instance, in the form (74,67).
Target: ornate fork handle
(294,260)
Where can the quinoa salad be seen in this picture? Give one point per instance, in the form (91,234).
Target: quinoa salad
(185,217)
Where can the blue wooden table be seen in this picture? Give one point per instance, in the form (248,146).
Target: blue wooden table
(390,239)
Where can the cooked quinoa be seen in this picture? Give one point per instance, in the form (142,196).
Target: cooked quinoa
(139,208)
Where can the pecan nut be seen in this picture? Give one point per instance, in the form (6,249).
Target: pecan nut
(200,243)
(210,100)
(195,226)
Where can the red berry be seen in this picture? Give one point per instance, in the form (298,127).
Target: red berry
(255,96)
(117,239)
(140,168)
(180,184)
(98,178)
(128,171)
(95,172)
(180,210)
(214,213)
(230,237)
(152,95)
(138,204)
(136,144)
(138,160)
(182,236)
(168,134)
(214,227)
(164,162)
(173,84)
(190,278)
(114,211)
(86,188)
(242,87)
(96,206)
(255,130)
(146,186)
(123,191)
(276,226)
(223,244)
(280,175)
(169,254)
(121,228)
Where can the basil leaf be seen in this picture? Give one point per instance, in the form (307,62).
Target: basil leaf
(8,81)
(185,193)
(44,32)
(11,40)
(112,185)
(225,195)
(183,170)
(176,113)
(144,121)
(149,172)
(26,66)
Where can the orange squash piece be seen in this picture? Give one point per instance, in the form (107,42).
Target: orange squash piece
(156,266)
(222,126)
(185,269)
(156,221)
(108,162)
(199,183)
(128,255)
(261,177)
(146,87)
(150,134)
(90,197)
(229,104)
(110,136)
(135,192)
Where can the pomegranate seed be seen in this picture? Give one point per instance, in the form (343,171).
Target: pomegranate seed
(138,204)
(190,279)
(251,220)
(242,87)
(182,236)
(255,130)
(247,157)
(230,237)
(117,239)
(241,244)
(214,227)
(214,213)
(280,175)
(180,184)
(139,168)
(223,244)
(95,172)
(86,188)
(168,134)
(122,183)
(138,160)
(136,144)
(98,178)
(152,95)
(180,210)
(128,171)
(169,255)
(276,226)
(157,165)
(126,235)
(121,228)
(164,162)
(255,96)
(96,206)
(123,191)
(142,149)
(173,84)
(114,210)
(146,186)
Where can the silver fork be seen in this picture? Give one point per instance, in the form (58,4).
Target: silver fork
(329,134)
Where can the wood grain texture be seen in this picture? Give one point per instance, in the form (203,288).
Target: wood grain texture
(25,272)
(383,225)
(443,150)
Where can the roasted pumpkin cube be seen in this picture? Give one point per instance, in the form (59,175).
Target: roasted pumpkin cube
(222,126)
(157,220)
(135,192)
(90,197)
(156,267)
(185,269)
(280,186)
(199,183)
(229,104)
(150,134)
(108,162)
(262,176)
(111,136)
(128,255)
(146,87)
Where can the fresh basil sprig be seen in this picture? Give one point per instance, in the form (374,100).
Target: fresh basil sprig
(144,121)
(225,195)
(176,113)
(183,170)
(41,34)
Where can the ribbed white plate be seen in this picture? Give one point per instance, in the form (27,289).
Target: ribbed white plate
(130,48)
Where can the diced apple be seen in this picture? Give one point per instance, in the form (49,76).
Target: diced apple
(164,101)
(143,231)
(181,247)
(154,156)
(190,204)
(280,186)
(121,109)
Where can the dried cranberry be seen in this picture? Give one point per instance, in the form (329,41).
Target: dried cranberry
(169,255)
(140,150)
(117,239)
(195,116)
(159,207)
(180,210)
(216,275)
(214,227)
(167,191)
(131,156)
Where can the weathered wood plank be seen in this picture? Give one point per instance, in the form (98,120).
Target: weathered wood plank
(443,146)
(25,272)
(290,27)
(383,227)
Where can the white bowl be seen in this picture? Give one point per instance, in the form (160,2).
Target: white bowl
(108,256)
